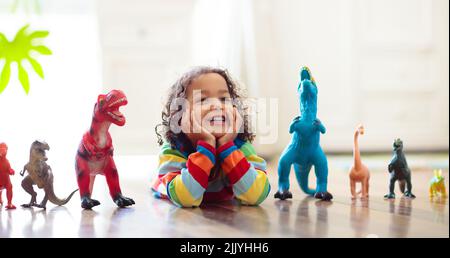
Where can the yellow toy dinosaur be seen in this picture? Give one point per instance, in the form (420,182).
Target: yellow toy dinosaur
(437,184)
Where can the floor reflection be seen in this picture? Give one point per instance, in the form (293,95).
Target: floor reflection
(41,221)
(33,228)
(284,220)
(440,209)
(322,225)
(87,228)
(360,217)
(400,217)
(118,216)
(224,213)
(5,228)
(242,217)
(304,224)
(229,213)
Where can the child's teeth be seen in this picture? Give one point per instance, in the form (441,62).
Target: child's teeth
(218,118)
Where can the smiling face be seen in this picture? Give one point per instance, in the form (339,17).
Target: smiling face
(210,99)
(108,107)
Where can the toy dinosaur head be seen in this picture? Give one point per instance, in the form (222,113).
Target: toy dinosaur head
(398,144)
(438,175)
(3,150)
(307,91)
(38,149)
(107,107)
(360,129)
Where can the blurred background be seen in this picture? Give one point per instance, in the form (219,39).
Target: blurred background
(382,63)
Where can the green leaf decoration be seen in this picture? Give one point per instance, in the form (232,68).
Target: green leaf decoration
(18,50)
(23,78)
(3,42)
(43,50)
(3,38)
(39,34)
(37,67)
(4,77)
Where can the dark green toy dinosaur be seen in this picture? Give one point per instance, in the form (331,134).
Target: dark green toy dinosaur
(399,170)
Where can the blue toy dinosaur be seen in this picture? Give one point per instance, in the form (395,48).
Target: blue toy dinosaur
(304,150)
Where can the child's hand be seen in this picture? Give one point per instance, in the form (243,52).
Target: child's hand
(234,125)
(194,131)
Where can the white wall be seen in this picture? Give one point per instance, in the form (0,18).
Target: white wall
(382,63)
(146,46)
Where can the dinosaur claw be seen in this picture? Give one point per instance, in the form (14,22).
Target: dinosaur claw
(88,203)
(27,205)
(409,195)
(324,196)
(123,201)
(10,207)
(39,206)
(389,196)
(283,195)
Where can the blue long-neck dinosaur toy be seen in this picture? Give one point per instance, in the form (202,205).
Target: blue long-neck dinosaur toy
(304,150)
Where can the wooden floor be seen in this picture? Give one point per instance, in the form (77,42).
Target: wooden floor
(300,217)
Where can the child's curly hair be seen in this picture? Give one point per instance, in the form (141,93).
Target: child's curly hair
(178,90)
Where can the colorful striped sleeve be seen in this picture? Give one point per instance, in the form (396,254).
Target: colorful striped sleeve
(245,171)
(184,180)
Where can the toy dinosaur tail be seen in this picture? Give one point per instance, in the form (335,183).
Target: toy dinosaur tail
(302,178)
(55,200)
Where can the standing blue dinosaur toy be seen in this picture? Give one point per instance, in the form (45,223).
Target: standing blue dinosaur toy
(304,150)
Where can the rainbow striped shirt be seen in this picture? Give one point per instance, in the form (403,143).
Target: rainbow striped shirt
(187,180)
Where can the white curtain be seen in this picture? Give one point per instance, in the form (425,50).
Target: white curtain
(223,35)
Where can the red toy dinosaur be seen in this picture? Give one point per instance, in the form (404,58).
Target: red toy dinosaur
(5,172)
(95,153)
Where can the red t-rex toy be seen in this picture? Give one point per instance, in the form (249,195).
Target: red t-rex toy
(95,153)
(5,172)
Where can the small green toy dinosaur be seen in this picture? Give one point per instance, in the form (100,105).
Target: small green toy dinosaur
(437,185)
